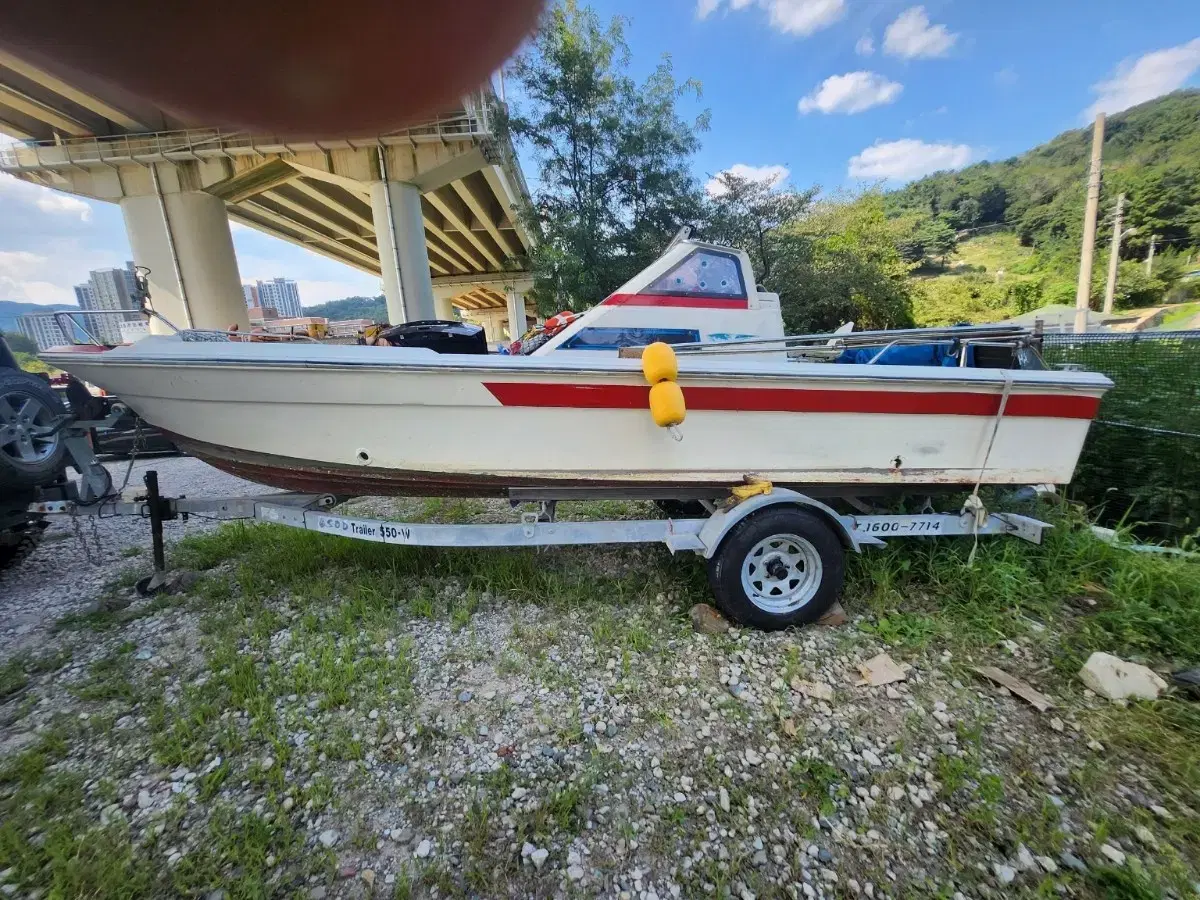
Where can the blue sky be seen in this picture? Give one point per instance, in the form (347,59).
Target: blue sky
(978,79)
(836,93)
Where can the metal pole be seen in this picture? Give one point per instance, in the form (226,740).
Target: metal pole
(1114,255)
(391,217)
(162,208)
(1150,255)
(1083,290)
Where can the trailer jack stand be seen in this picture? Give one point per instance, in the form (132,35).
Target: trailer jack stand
(159,510)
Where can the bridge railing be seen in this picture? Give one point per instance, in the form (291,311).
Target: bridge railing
(472,120)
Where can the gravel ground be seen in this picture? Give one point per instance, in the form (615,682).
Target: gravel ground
(63,575)
(323,719)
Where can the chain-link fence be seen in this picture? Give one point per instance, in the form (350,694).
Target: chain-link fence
(1142,458)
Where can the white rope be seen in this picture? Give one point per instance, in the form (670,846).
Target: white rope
(974,503)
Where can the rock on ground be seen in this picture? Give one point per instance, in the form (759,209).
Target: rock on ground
(1115,679)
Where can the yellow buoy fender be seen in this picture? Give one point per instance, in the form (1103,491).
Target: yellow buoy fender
(659,363)
(666,404)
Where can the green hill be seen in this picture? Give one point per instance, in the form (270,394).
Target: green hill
(11,309)
(1151,154)
(350,308)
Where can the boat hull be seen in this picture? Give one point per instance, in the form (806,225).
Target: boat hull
(373,421)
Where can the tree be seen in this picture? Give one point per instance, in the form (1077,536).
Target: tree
(1135,289)
(18,343)
(936,239)
(614,179)
(842,263)
(374,308)
(747,213)
(830,262)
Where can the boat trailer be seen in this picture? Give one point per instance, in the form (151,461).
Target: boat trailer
(776,557)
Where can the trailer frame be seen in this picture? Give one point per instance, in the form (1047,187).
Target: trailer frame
(707,536)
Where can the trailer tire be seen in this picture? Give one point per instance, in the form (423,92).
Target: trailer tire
(31,448)
(778,568)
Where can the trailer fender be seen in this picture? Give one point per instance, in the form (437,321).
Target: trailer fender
(719,524)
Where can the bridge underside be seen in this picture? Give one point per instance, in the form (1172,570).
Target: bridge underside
(442,197)
(468,223)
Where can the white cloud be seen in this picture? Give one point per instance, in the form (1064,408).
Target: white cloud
(54,202)
(45,199)
(1006,77)
(767,174)
(798,17)
(907,159)
(851,93)
(22,277)
(912,37)
(48,292)
(1146,77)
(865,45)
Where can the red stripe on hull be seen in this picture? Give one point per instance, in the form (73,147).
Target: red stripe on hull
(675,301)
(806,400)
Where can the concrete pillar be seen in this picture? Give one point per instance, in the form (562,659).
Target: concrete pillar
(400,235)
(442,306)
(489,320)
(516,313)
(185,242)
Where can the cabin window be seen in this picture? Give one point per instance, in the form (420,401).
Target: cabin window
(615,338)
(705,273)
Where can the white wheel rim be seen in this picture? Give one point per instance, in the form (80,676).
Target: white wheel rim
(781,573)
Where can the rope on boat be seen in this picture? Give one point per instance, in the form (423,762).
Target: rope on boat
(974,503)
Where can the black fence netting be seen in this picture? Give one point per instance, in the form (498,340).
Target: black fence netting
(1141,463)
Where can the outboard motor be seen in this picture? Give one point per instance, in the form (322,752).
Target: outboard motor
(438,335)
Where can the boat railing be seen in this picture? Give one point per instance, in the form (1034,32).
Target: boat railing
(832,344)
(72,327)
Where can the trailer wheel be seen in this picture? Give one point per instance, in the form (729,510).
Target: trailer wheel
(778,568)
(31,447)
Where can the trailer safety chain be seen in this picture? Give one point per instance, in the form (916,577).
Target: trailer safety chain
(113,494)
(81,539)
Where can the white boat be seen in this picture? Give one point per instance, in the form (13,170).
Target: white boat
(572,414)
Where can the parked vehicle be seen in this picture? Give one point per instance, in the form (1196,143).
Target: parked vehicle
(32,455)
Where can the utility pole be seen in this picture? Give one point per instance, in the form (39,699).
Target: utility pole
(1083,290)
(1114,255)
(1150,255)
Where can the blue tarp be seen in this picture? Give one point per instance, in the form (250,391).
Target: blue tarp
(934,354)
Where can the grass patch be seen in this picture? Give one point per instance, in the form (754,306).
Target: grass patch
(993,252)
(1168,732)
(1146,606)
(427,582)
(16,673)
(110,678)
(1179,315)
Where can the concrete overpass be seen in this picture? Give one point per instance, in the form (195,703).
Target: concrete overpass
(431,209)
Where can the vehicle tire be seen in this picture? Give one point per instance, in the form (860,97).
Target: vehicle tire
(682,509)
(31,445)
(19,545)
(778,568)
